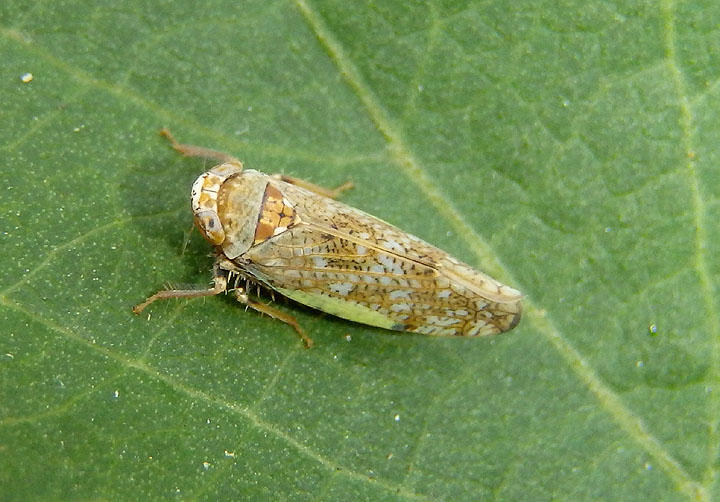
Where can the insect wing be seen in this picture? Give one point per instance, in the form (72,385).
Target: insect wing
(350,264)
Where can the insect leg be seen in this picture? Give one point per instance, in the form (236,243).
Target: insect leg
(199,151)
(263,308)
(219,287)
(325,192)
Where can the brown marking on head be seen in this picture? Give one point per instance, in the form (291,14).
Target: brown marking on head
(206,201)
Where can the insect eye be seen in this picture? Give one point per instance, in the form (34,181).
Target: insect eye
(210,226)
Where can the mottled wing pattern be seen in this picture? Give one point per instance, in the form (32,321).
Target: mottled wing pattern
(336,256)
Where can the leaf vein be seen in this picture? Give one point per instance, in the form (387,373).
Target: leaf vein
(699,207)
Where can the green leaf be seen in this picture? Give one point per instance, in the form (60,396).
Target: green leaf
(569,149)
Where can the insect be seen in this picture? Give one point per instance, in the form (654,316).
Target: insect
(292,237)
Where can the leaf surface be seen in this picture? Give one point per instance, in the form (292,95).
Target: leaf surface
(568,149)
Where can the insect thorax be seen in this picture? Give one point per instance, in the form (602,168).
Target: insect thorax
(240,207)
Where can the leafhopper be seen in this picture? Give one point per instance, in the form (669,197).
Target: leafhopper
(294,238)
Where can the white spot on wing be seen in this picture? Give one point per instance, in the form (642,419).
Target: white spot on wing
(341,288)
(441,321)
(443,282)
(377,269)
(320,262)
(389,264)
(392,245)
(399,293)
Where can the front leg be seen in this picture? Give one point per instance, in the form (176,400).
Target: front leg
(220,285)
(199,151)
(207,153)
